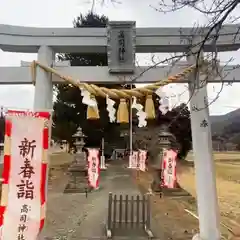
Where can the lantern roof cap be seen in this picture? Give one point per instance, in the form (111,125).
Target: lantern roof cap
(164,132)
(79,133)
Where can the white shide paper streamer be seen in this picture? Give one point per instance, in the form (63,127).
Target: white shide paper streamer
(87,98)
(163,102)
(140,113)
(111,110)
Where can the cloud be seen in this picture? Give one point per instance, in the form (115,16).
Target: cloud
(17,97)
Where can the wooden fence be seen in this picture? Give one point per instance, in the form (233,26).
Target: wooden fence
(128,212)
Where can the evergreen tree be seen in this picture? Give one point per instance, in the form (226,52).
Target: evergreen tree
(180,125)
(69,112)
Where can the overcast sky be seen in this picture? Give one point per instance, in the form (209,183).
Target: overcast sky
(60,13)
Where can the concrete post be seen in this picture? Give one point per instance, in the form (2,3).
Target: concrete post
(208,210)
(43,98)
(102,157)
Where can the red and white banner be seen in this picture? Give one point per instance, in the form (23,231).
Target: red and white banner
(133,160)
(142,157)
(169,174)
(22,210)
(93,167)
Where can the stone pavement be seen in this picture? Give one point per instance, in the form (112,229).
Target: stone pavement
(73,216)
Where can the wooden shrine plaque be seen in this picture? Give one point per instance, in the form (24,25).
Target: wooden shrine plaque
(121,38)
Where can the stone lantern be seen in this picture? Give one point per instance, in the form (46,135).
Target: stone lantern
(80,156)
(166,140)
(78,169)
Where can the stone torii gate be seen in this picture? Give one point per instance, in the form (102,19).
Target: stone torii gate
(121,68)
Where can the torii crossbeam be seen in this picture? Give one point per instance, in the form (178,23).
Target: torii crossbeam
(100,75)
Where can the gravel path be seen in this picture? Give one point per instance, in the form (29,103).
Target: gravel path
(73,216)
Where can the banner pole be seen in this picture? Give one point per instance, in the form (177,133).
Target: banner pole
(130,134)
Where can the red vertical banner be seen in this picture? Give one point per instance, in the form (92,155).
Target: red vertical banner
(133,160)
(169,164)
(93,167)
(24,175)
(142,157)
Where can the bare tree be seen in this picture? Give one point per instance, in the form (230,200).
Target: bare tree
(218,13)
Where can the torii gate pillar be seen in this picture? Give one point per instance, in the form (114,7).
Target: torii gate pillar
(43,96)
(208,210)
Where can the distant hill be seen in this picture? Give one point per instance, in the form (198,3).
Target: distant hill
(220,123)
(227,127)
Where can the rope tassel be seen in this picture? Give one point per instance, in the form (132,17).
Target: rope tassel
(149,107)
(92,111)
(122,113)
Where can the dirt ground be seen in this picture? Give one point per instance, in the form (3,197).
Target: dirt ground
(227,178)
(168,212)
(69,215)
(73,216)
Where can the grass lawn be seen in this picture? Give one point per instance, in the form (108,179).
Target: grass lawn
(227,166)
